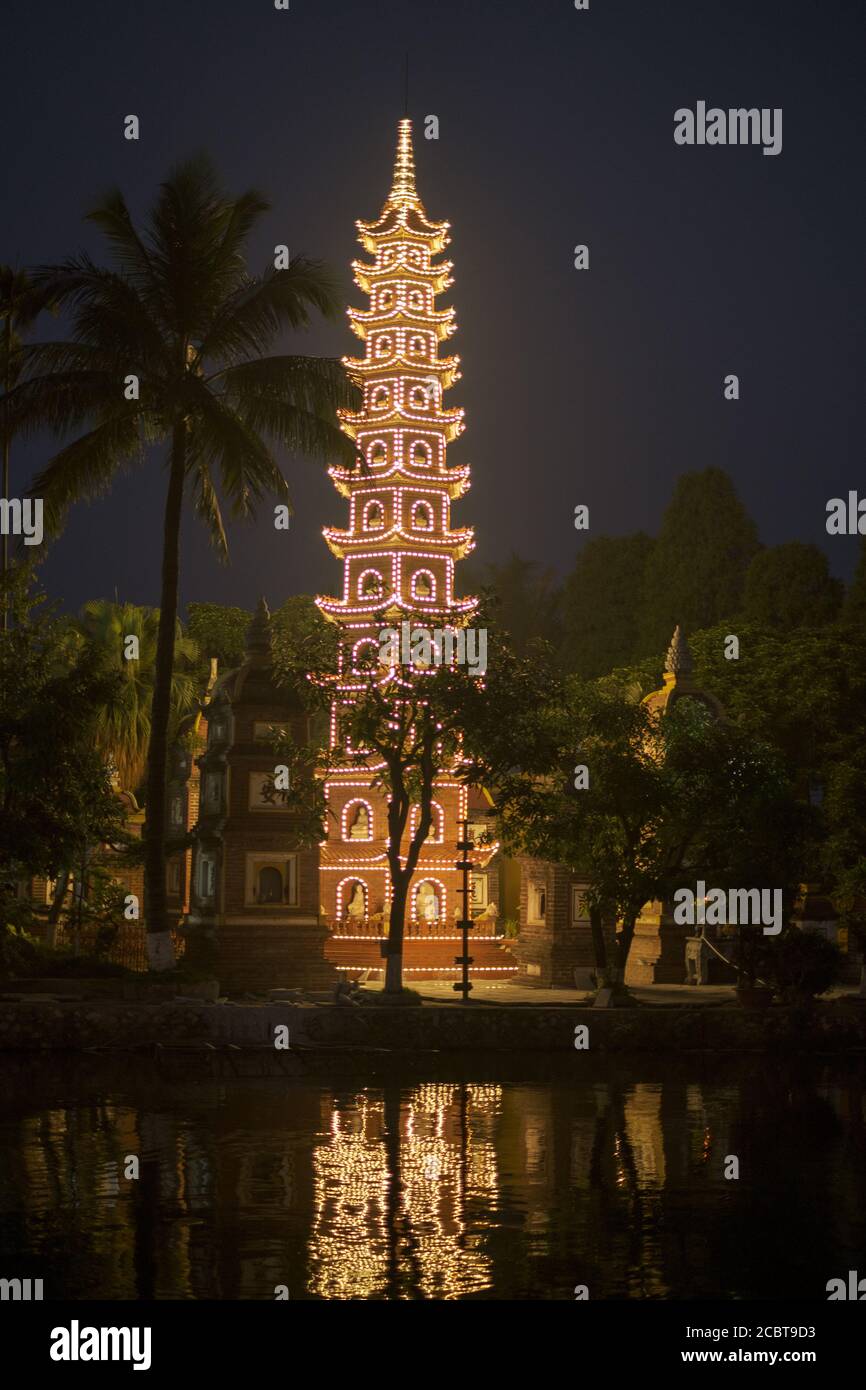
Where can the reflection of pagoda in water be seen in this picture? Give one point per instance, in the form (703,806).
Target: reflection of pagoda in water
(395,1219)
(439,1190)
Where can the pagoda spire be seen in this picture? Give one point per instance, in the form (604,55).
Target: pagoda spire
(258,636)
(678,662)
(399,549)
(403,186)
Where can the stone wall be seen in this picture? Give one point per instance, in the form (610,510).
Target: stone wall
(455,1029)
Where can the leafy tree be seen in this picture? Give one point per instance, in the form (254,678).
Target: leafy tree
(56,798)
(789,586)
(803,692)
(521,598)
(219,631)
(19,308)
(855,599)
(172,345)
(668,795)
(601,604)
(843,849)
(303,640)
(696,572)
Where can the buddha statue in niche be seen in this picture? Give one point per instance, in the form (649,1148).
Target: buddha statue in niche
(356,907)
(427,903)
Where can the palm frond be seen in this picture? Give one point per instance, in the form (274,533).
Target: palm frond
(252,317)
(130,253)
(19,299)
(207,508)
(189,224)
(294,400)
(85,468)
(295,428)
(228,266)
(62,401)
(106,308)
(320,384)
(222,439)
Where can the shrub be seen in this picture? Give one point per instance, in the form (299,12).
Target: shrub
(19,953)
(406,996)
(800,963)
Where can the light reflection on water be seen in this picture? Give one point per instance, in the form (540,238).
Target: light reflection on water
(506,1186)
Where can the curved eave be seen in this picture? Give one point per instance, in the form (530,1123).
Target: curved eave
(437,277)
(447,370)
(374,318)
(435,242)
(455,481)
(456,543)
(448,422)
(405,220)
(338,608)
(482,854)
(409,215)
(378,861)
(399,320)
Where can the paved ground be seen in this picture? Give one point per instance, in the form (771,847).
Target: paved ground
(488,991)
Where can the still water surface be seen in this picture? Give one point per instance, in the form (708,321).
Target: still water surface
(517,1180)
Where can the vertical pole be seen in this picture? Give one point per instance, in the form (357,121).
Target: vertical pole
(464,844)
(7,349)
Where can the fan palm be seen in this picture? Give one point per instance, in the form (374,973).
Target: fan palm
(123,727)
(172,345)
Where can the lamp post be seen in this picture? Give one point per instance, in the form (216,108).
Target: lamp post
(464,845)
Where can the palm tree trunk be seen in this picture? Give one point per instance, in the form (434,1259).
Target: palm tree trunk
(159,949)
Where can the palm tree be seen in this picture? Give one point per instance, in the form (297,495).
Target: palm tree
(19,307)
(173,345)
(123,727)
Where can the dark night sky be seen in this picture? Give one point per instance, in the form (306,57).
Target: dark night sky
(556,128)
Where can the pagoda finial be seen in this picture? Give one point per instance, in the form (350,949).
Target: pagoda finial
(403,187)
(258,641)
(678,661)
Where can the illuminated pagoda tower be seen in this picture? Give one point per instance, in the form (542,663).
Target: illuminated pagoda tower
(399,553)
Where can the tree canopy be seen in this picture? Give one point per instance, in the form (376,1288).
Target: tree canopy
(696,572)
